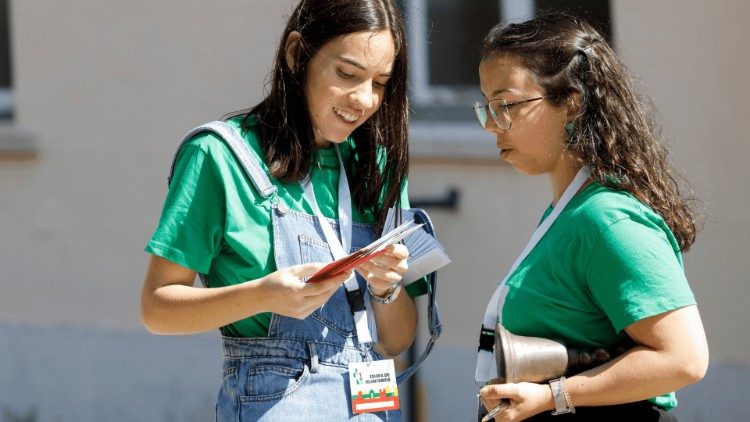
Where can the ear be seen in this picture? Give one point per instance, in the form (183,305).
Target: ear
(290,49)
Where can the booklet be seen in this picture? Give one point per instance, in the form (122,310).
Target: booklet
(365,254)
(426,254)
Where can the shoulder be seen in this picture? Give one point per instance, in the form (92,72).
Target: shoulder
(601,207)
(208,145)
(607,215)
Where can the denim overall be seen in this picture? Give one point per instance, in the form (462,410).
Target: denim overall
(300,370)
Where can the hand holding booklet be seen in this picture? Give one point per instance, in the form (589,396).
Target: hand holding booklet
(374,249)
(426,254)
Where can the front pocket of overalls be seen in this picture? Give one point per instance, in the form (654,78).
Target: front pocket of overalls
(336,313)
(272,382)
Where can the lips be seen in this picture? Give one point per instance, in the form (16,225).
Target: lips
(503,148)
(345,116)
(504,151)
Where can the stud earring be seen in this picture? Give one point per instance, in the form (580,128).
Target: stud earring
(570,129)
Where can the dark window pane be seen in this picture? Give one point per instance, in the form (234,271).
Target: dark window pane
(455,32)
(5,80)
(595,12)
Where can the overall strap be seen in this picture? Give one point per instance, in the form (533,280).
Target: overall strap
(252,167)
(239,147)
(433,315)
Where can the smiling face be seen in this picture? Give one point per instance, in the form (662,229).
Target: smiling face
(346,82)
(534,144)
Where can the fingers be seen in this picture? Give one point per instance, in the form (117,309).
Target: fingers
(390,262)
(387,268)
(374,273)
(398,251)
(327,285)
(499,391)
(306,270)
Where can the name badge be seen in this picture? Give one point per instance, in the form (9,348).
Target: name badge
(373,386)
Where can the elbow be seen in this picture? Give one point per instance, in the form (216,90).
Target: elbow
(395,348)
(392,350)
(391,346)
(694,368)
(150,319)
(695,371)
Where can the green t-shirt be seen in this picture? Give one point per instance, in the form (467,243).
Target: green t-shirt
(606,262)
(215,222)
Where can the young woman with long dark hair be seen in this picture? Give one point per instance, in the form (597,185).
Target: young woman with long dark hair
(605,262)
(258,200)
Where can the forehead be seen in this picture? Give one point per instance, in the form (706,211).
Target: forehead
(374,50)
(502,73)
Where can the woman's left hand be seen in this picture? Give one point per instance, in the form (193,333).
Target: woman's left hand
(526,399)
(383,271)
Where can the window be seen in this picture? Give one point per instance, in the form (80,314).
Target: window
(6,93)
(444,38)
(15,143)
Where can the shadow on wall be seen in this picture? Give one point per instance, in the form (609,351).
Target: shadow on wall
(62,374)
(10,416)
(66,374)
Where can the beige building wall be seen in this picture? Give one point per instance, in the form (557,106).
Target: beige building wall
(108,88)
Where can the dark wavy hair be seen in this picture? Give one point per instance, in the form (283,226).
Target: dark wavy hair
(284,121)
(614,131)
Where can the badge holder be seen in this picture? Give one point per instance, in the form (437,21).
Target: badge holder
(373,386)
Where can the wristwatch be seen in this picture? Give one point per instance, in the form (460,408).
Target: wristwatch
(561,397)
(390,295)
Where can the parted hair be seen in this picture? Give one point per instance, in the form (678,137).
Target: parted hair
(284,121)
(614,131)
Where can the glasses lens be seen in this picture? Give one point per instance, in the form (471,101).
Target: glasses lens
(481,113)
(500,114)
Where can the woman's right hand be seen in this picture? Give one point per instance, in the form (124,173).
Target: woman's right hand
(284,292)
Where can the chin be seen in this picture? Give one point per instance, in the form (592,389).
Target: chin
(525,170)
(337,137)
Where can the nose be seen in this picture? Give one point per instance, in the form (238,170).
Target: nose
(492,128)
(362,96)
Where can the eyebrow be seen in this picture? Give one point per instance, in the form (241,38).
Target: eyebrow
(358,64)
(501,91)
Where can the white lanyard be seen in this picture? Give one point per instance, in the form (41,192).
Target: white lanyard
(340,248)
(486,367)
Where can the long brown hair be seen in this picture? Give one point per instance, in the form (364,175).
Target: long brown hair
(613,133)
(284,122)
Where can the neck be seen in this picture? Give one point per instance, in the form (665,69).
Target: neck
(321,144)
(561,179)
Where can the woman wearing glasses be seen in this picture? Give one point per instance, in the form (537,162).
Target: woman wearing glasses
(605,262)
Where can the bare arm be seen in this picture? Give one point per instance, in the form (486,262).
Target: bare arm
(396,321)
(672,353)
(171,305)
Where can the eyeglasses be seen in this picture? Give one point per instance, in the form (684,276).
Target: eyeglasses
(499,110)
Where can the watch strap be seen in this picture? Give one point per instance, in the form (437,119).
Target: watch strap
(561,397)
(391,295)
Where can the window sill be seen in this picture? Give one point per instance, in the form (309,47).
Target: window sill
(16,144)
(454,141)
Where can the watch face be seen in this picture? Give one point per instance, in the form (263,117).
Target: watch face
(388,298)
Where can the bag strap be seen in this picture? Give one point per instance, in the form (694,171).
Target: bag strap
(239,147)
(433,315)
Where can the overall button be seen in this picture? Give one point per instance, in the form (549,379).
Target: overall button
(282,209)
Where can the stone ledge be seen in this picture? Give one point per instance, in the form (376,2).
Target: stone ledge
(17,144)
